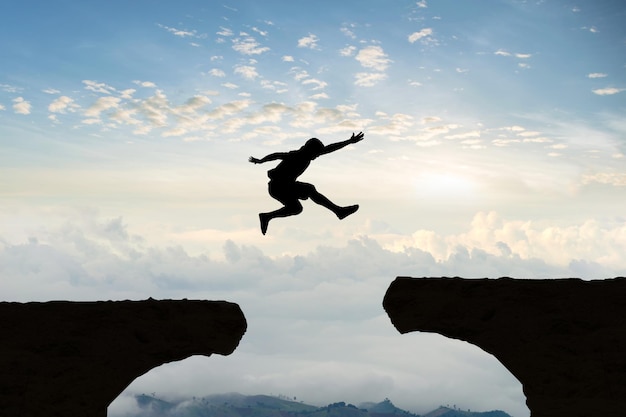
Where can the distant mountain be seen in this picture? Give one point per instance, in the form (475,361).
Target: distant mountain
(238,405)
(451,412)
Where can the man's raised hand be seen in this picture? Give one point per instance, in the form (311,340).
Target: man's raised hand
(357,138)
(254,160)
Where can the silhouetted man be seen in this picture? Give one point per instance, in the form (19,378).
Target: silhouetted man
(284,187)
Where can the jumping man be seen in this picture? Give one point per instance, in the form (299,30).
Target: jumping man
(284,187)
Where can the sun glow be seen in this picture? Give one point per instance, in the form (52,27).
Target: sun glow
(444,186)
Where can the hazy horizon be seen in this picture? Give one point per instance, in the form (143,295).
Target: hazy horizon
(495,142)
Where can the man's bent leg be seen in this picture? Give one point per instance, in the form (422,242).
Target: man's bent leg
(290,209)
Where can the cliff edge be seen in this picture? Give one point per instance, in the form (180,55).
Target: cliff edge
(563,339)
(63,358)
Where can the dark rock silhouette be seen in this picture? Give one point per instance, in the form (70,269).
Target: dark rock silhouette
(563,339)
(74,358)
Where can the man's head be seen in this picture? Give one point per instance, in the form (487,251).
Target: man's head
(314,147)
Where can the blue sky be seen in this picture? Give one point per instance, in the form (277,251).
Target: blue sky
(495,145)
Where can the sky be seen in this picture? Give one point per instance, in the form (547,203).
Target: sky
(495,145)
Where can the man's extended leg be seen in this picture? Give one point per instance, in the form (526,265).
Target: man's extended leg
(322,200)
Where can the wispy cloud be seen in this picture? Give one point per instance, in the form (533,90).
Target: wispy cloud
(147,84)
(97,87)
(225,32)
(10,88)
(609,91)
(348,32)
(369,79)
(596,75)
(421,35)
(180,32)
(217,72)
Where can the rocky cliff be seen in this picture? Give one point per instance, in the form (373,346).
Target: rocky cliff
(563,339)
(74,358)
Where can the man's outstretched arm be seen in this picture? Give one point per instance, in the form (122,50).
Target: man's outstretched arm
(270,157)
(336,146)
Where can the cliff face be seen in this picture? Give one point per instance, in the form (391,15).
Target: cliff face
(563,339)
(74,358)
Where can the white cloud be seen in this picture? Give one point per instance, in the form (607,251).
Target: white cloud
(287,58)
(523,56)
(10,88)
(51,91)
(217,72)
(260,32)
(225,32)
(248,46)
(347,51)
(128,93)
(529,133)
(374,57)
(246,71)
(179,32)
(502,52)
(465,135)
(318,84)
(177,131)
(319,96)
(348,32)
(596,75)
(229,109)
(156,109)
(422,34)
(21,106)
(537,140)
(615,179)
(62,104)
(230,86)
(369,79)
(395,125)
(558,146)
(126,117)
(98,87)
(300,74)
(609,91)
(504,142)
(309,41)
(2,107)
(102,104)
(147,84)
(421,4)
(193,104)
